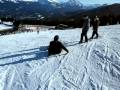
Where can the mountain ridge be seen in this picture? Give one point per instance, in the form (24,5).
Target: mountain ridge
(42,7)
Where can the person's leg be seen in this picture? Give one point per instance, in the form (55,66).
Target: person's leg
(92,35)
(94,32)
(86,38)
(97,33)
(85,34)
(81,39)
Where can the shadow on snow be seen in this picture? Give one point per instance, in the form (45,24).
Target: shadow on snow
(36,53)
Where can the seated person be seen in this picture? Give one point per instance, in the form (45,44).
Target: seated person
(56,47)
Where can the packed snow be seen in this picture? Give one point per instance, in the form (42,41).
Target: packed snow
(8,23)
(4,27)
(24,64)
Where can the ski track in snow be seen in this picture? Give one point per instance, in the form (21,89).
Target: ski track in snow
(95,65)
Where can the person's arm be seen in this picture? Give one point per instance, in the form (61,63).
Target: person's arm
(64,48)
(49,51)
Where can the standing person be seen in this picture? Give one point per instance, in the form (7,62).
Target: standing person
(37,29)
(16,24)
(56,47)
(0,21)
(85,28)
(95,25)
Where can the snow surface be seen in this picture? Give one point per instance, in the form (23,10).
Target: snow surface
(95,65)
(5,27)
(8,23)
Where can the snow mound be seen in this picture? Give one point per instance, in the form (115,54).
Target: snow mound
(95,65)
(5,27)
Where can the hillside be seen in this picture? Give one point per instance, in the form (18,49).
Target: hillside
(112,9)
(95,65)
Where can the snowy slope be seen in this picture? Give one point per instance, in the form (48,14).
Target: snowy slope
(5,27)
(95,65)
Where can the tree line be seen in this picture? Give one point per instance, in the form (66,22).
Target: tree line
(73,22)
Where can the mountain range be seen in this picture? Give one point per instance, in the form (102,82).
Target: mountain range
(45,8)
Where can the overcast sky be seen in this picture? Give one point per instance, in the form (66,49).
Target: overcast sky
(87,1)
(99,1)
(93,1)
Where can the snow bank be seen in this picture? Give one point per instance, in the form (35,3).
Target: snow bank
(5,27)
(8,23)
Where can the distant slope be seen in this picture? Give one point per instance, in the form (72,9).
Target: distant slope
(107,9)
(95,65)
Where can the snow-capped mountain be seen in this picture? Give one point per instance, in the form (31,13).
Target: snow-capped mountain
(14,1)
(69,3)
(73,3)
(18,1)
(17,8)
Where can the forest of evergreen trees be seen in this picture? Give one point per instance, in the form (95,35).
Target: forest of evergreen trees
(73,22)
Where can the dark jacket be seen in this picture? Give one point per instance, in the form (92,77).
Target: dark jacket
(95,23)
(86,24)
(56,47)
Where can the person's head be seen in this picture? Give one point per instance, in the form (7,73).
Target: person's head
(85,16)
(56,38)
(96,16)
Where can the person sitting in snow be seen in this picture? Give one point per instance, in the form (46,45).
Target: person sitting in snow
(56,47)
